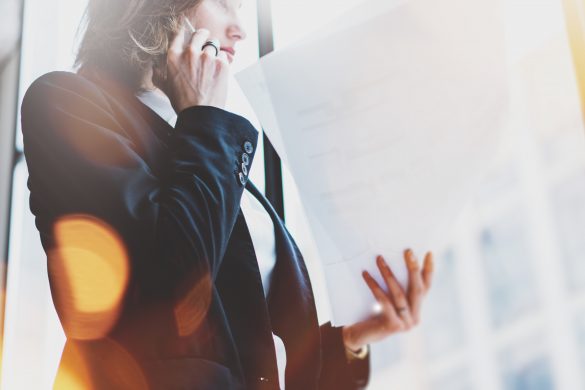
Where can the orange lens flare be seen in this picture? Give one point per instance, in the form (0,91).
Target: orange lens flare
(89,272)
(575,21)
(73,373)
(192,308)
(111,367)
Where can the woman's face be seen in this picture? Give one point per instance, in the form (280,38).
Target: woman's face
(221,18)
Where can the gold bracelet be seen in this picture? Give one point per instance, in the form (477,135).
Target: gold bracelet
(360,354)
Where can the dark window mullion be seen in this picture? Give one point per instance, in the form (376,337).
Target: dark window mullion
(272,163)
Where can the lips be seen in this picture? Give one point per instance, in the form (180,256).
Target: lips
(229,50)
(231,53)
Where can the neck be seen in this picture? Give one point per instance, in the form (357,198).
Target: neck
(147,83)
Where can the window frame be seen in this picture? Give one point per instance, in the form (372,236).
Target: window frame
(10,154)
(274,189)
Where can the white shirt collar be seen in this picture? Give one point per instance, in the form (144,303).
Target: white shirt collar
(158,102)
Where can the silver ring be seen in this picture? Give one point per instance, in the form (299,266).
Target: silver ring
(214,43)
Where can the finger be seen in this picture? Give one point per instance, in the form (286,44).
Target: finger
(222,63)
(380,295)
(428,270)
(211,50)
(377,291)
(178,42)
(397,294)
(416,287)
(223,58)
(222,67)
(391,319)
(198,40)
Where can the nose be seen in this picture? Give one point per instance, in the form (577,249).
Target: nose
(236,31)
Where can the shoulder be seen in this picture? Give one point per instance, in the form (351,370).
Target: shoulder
(61,106)
(62,89)
(63,100)
(61,79)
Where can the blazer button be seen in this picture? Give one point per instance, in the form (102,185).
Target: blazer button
(263,380)
(246,159)
(245,169)
(248,147)
(242,178)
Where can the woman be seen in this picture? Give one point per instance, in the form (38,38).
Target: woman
(168,268)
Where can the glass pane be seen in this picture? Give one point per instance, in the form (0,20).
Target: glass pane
(442,321)
(9,28)
(457,380)
(527,366)
(569,207)
(507,258)
(580,328)
(48,42)
(33,338)
(533,375)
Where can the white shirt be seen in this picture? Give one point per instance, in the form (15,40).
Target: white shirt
(257,218)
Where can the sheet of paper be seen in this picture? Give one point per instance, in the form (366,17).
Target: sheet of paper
(387,126)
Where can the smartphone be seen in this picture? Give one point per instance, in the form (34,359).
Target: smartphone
(189,31)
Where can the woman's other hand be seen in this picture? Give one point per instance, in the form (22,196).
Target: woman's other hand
(195,76)
(399,309)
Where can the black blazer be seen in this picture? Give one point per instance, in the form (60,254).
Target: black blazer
(173,196)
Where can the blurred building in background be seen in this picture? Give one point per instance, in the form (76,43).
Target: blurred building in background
(507,310)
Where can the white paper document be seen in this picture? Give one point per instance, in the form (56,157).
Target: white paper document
(387,126)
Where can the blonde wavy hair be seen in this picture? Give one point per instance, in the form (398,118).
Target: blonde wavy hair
(127,38)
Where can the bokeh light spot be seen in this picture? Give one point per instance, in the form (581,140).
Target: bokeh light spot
(102,364)
(89,272)
(193,306)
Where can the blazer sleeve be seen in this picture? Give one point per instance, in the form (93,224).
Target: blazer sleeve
(82,160)
(336,371)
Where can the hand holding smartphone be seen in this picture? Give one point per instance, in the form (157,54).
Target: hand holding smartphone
(197,74)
